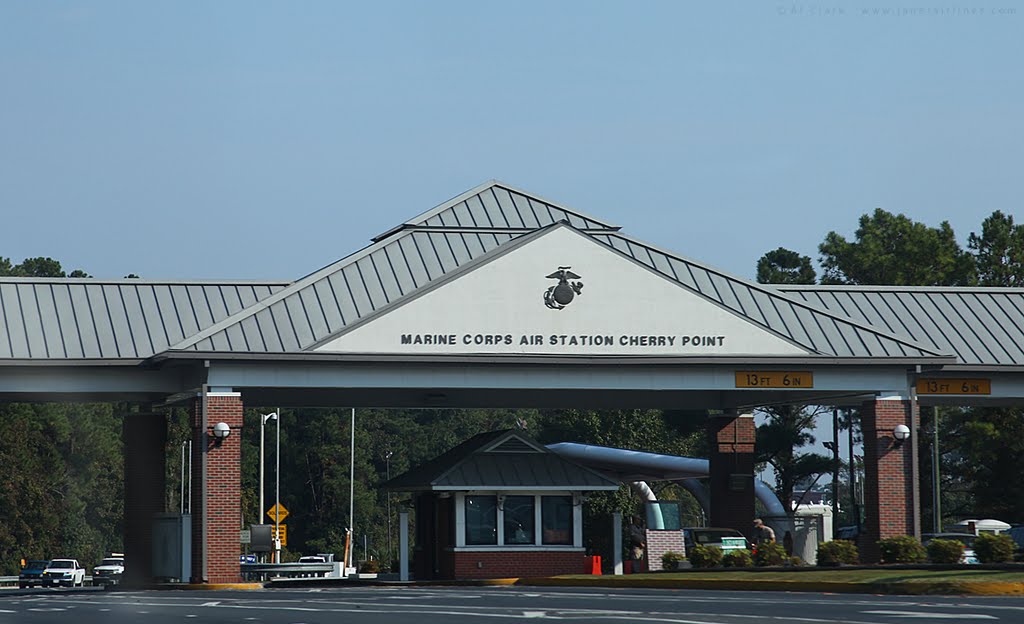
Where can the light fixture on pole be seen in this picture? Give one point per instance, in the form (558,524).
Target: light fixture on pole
(263,422)
(900,434)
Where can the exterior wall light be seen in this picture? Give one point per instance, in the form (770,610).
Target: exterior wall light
(221,431)
(900,435)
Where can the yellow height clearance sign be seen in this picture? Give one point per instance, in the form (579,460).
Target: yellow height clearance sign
(795,380)
(277,513)
(947,385)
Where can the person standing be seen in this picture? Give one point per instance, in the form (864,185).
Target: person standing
(762,532)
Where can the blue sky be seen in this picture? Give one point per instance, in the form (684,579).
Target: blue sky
(266,139)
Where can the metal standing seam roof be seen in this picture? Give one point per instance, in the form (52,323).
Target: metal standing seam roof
(126,319)
(499,206)
(982,326)
(85,318)
(501,460)
(420,255)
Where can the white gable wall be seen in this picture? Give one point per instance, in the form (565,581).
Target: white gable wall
(623,309)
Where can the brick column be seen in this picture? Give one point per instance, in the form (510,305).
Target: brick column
(145,483)
(888,475)
(216,489)
(732,471)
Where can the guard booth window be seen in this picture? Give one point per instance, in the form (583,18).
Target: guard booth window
(556,512)
(518,516)
(481,520)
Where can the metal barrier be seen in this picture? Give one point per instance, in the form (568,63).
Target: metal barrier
(13,580)
(264,571)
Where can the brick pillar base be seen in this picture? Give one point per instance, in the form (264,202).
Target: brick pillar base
(145,482)
(661,542)
(732,471)
(888,475)
(216,489)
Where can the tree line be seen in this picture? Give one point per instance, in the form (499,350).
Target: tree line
(980,448)
(63,491)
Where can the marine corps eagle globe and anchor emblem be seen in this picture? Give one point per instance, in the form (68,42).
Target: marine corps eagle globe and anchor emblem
(562,293)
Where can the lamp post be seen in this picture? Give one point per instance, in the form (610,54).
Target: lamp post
(387,473)
(833,446)
(277,492)
(263,422)
(352,492)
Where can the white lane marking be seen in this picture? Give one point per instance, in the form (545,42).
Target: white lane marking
(210,604)
(47,609)
(534,614)
(7,611)
(933,616)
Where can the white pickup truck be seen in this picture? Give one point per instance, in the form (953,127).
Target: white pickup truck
(66,572)
(109,571)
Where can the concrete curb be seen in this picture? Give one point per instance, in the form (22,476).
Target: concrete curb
(923,588)
(332,582)
(209,586)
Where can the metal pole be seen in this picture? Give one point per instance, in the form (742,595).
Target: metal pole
(936,495)
(835,470)
(915,465)
(387,473)
(181,500)
(204,498)
(277,492)
(190,476)
(853,473)
(263,424)
(352,486)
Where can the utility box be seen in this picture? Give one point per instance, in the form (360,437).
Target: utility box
(172,547)
(262,538)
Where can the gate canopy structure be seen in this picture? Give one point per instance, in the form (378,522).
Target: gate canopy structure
(498,297)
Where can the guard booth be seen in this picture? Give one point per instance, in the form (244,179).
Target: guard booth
(499,505)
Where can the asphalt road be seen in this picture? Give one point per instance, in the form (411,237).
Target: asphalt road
(419,605)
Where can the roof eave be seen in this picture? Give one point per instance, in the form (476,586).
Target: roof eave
(497,358)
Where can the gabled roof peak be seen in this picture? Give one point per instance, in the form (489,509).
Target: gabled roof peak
(495,205)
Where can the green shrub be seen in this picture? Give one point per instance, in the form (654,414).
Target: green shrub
(837,552)
(370,566)
(945,551)
(902,549)
(738,558)
(994,548)
(770,554)
(671,559)
(705,556)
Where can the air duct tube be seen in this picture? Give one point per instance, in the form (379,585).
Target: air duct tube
(630,466)
(656,520)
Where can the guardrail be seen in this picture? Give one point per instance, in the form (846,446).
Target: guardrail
(263,571)
(13,580)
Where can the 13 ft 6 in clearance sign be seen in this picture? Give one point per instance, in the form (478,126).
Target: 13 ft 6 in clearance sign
(940,385)
(794,380)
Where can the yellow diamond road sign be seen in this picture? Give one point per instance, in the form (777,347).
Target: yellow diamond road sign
(277,513)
